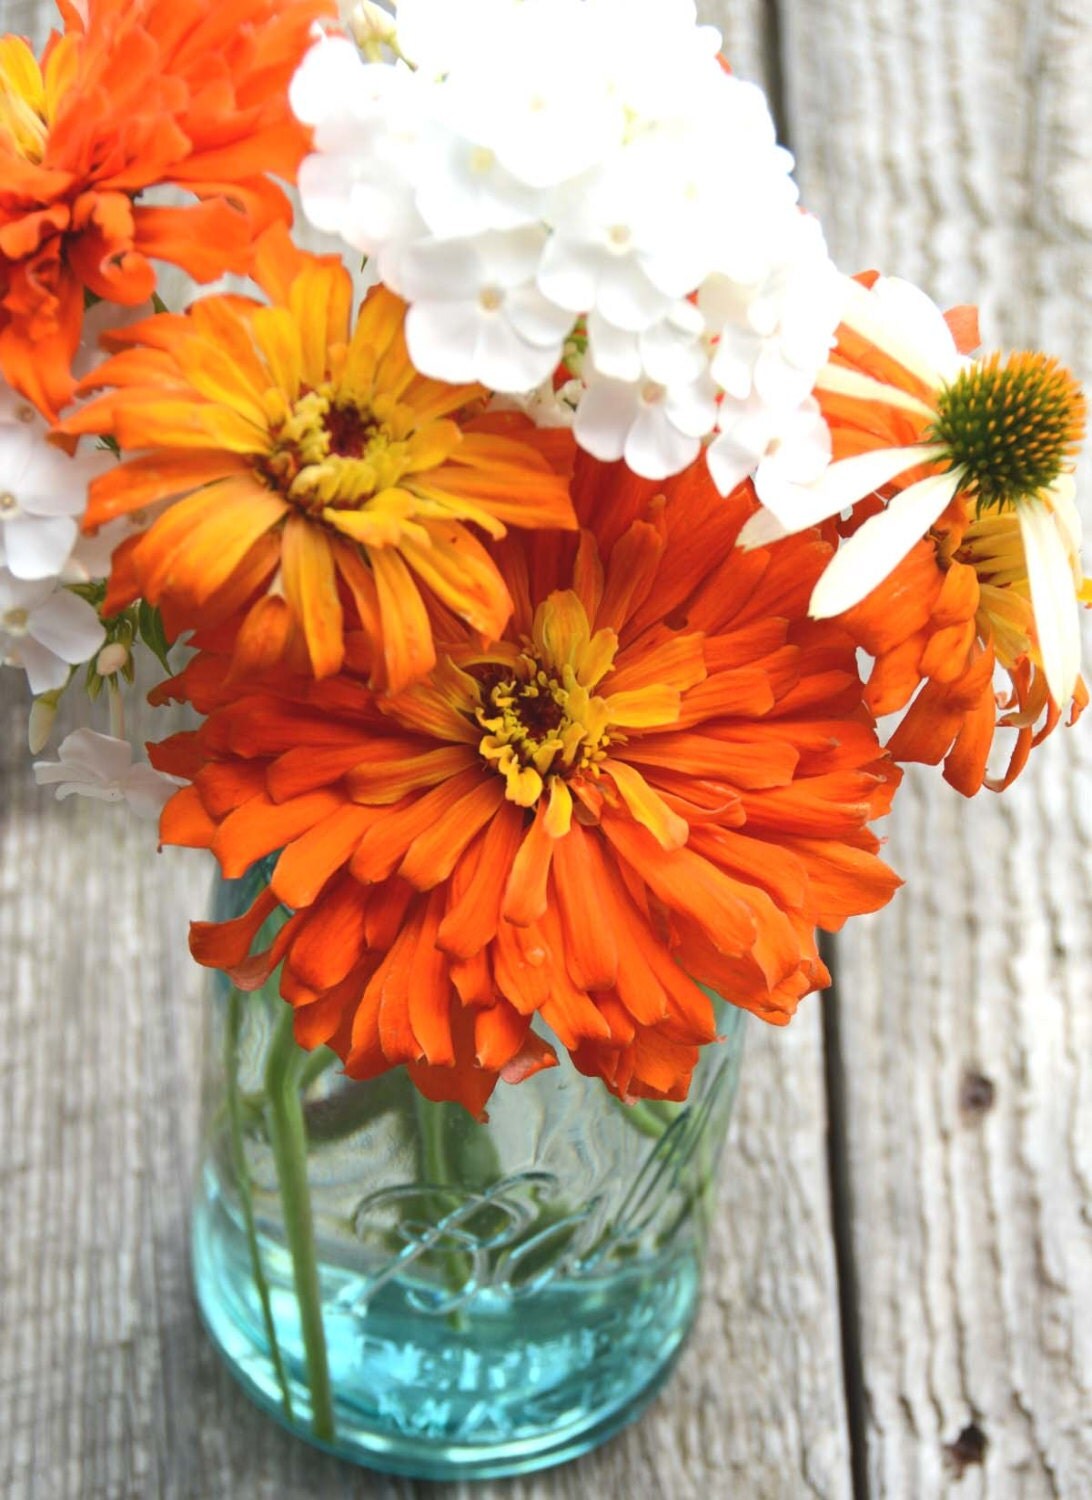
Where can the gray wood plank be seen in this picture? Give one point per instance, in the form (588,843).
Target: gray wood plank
(953,144)
(108,1388)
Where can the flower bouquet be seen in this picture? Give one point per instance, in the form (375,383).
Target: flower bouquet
(556,565)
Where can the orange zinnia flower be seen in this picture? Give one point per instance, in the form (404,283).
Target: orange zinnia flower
(134,94)
(659,779)
(319,484)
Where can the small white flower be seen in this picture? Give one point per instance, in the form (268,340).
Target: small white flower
(99,766)
(777,447)
(671,351)
(476,313)
(657,429)
(45,630)
(43,492)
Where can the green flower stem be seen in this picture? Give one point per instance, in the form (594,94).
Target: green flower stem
(434,1171)
(649,1117)
(314,1065)
(288,1138)
(242,1180)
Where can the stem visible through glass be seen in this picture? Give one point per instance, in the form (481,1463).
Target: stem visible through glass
(288,1138)
(242,1181)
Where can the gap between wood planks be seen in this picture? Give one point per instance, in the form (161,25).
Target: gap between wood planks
(838,1169)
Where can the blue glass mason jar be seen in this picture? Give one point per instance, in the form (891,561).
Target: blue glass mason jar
(432,1296)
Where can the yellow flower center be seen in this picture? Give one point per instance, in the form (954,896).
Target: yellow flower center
(539,725)
(348,463)
(540,714)
(15,621)
(1011,425)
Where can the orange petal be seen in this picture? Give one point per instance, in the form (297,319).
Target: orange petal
(408,652)
(310,586)
(525,892)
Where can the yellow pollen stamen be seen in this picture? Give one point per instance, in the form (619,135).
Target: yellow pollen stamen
(8,504)
(328,454)
(542,721)
(15,621)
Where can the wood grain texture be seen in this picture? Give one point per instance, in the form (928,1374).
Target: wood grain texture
(108,1387)
(953,145)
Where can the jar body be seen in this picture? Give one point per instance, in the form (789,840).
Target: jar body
(434,1296)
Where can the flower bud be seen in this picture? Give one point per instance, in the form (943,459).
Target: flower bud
(112,658)
(372,27)
(43,713)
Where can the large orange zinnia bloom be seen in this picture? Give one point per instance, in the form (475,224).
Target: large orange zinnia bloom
(660,778)
(141,93)
(316,477)
(955,614)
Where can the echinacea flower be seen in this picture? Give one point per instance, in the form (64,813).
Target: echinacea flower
(318,484)
(989,435)
(101,766)
(660,778)
(134,94)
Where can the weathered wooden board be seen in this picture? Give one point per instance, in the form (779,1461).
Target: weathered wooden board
(953,144)
(108,1388)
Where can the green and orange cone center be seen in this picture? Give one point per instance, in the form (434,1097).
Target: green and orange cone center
(1011,425)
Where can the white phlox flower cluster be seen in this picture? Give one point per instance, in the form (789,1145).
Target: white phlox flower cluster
(44,628)
(526,173)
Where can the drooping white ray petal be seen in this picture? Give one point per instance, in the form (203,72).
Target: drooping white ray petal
(762,529)
(843,484)
(872,552)
(1057,613)
(903,322)
(845,382)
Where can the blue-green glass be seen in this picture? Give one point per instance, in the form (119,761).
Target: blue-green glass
(477,1299)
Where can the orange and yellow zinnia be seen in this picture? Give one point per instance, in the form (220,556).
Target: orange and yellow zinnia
(321,495)
(658,781)
(133,95)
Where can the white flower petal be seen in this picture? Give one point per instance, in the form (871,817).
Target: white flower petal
(442,339)
(537,320)
(331,70)
(505,361)
(761,530)
(900,319)
(38,546)
(730,461)
(147,791)
(876,548)
(569,272)
(655,448)
(606,412)
(1057,612)
(45,670)
(67,626)
(842,485)
(614,352)
(100,755)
